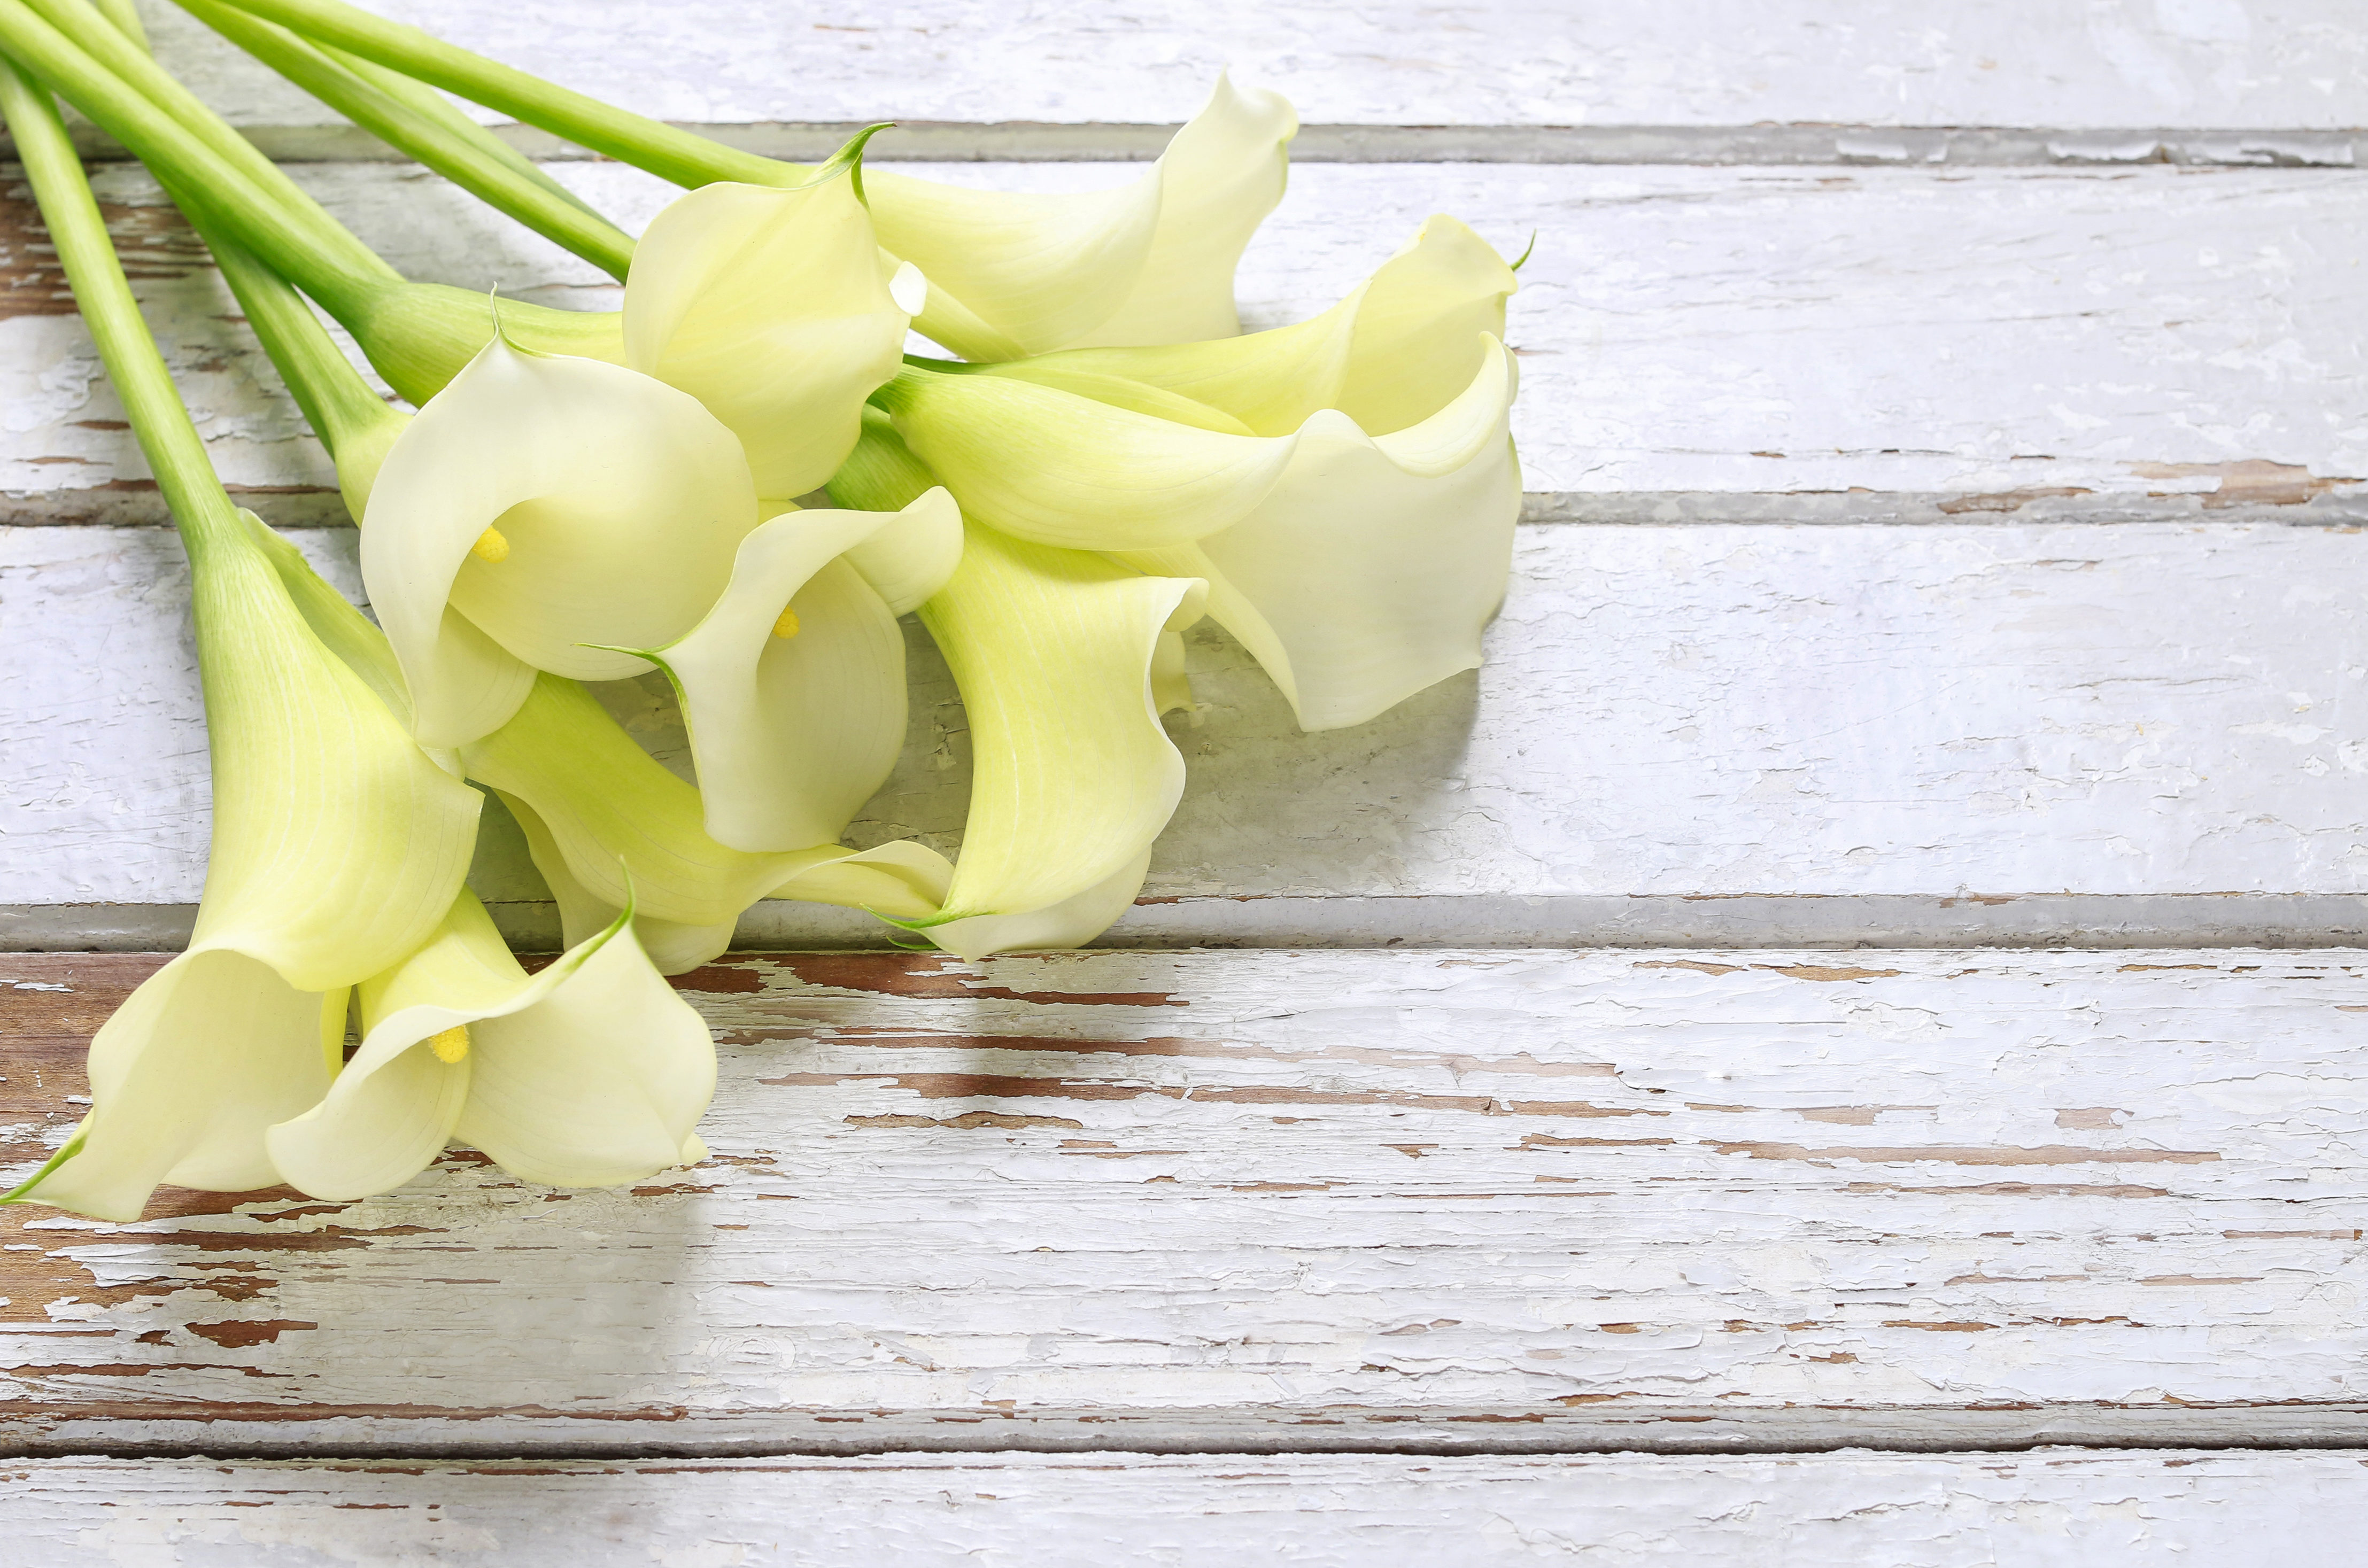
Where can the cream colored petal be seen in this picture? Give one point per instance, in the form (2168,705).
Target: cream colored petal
(619,500)
(1072,923)
(1073,775)
(397,1102)
(1150,261)
(792,688)
(1057,469)
(1419,326)
(201,1058)
(1371,570)
(774,308)
(1013,273)
(394,1106)
(1392,353)
(913,552)
(597,1079)
(1221,176)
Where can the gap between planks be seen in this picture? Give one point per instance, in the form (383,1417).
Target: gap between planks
(1031,141)
(2296,498)
(2110,922)
(404,1433)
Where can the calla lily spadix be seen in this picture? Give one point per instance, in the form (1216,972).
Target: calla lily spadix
(608,824)
(793,687)
(539,512)
(589,1074)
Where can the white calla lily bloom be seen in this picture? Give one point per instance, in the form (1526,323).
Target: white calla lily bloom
(775,308)
(1374,566)
(590,1073)
(1013,273)
(1357,568)
(792,688)
(1065,663)
(337,845)
(539,511)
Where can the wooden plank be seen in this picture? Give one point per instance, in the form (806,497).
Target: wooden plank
(2278,64)
(1216,1202)
(1775,733)
(1878,344)
(2233,1510)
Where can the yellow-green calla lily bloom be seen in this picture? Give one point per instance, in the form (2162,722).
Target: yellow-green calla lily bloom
(774,307)
(793,687)
(592,1073)
(539,512)
(1151,261)
(337,845)
(608,825)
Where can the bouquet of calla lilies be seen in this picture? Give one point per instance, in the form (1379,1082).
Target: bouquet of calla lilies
(741,480)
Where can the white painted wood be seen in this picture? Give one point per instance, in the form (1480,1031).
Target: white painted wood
(2253,64)
(1319,1200)
(1775,713)
(2139,342)
(2232,1510)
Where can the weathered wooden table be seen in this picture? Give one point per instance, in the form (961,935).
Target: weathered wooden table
(1847,1042)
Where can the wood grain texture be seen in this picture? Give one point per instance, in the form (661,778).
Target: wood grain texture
(2146,342)
(1226,1201)
(1783,714)
(1967,1511)
(2249,64)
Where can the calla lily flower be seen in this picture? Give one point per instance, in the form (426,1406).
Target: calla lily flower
(1357,568)
(792,688)
(1073,775)
(338,846)
(590,1073)
(539,512)
(1012,274)
(774,307)
(1065,663)
(1371,570)
(607,825)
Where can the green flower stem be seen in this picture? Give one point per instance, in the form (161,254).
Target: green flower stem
(671,154)
(184,473)
(532,201)
(126,17)
(417,335)
(268,212)
(442,112)
(342,408)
